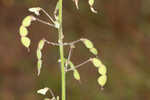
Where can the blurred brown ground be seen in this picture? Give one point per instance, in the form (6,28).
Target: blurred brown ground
(121,32)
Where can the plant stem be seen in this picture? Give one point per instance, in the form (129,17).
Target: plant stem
(61,50)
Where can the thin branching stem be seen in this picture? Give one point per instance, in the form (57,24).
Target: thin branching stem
(77,66)
(44,22)
(48,16)
(69,55)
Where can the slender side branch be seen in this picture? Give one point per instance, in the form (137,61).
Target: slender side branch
(69,55)
(44,22)
(52,43)
(48,16)
(85,62)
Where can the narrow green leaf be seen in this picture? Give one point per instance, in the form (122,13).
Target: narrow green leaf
(94,51)
(39,66)
(87,43)
(41,44)
(23,31)
(102,69)
(76,75)
(25,41)
(39,54)
(102,80)
(96,62)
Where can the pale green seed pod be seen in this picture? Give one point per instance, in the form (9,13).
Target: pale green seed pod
(91,2)
(102,80)
(41,44)
(39,66)
(87,43)
(27,21)
(76,75)
(35,10)
(102,70)
(23,31)
(25,41)
(39,54)
(96,62)
(43,91)
(94,51)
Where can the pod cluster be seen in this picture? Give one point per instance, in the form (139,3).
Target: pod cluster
(23,31)
(39,55)
(97,63)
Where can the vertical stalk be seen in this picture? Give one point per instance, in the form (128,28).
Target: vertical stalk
(61,50)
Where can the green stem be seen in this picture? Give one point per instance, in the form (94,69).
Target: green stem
(61,50)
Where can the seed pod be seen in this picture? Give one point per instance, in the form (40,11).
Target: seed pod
(87,43)
(25,41)
(27,21)
(39,54)
(102,69)
(23,31)
(102,80)
(35,10)
(43,91)
(96,62)
(39,66)
(41,44)
(76,75)
(94,51)
(91,3)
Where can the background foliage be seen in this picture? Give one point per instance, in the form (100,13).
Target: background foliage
(120,32)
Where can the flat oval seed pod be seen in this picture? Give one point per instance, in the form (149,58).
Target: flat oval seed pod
(39,66)
(94,51)
(96,62)
(39,54)
(87,43)
(91,2)
(43,91)
(35,10)
(102,80)
(41,44)
(102,70)
(25,41)
(76,75)
(27,21)
(23,31)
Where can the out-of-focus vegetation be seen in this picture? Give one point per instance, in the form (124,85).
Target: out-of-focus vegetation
(120,31)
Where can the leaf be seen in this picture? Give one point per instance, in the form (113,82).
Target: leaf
(39,66)
(76,75)
(76,3)
(102,80)
(43,91)
(35,10)
(94,51)
(41,44)
(96,62)
(23,31)
(25,41)
(102,69)
(27,21)
(87,43)
(39,54)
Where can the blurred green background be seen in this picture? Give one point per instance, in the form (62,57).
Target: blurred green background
(120,31)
